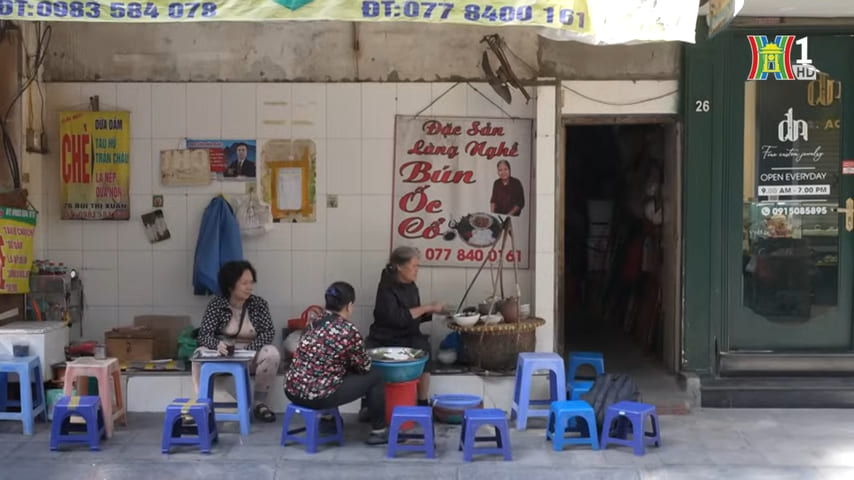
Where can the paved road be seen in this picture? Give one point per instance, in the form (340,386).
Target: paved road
(708,444)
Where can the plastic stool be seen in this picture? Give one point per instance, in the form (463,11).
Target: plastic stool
(560,415)
(579,388)
(105,371)
(476,418)
(63,431)
(526,365)
(577,359)
(636,413)
(29,373)
(420,415)
(312,437)
(400,394)
(240,372)
(204,433)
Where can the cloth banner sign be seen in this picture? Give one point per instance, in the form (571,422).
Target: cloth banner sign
(569,15)
(455,181)
(95,173)
(17,228)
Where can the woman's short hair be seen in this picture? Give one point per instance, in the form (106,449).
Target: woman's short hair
(505,163)
(399,257)
(230,273)
(339,295)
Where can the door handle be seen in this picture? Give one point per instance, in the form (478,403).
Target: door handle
(848,211)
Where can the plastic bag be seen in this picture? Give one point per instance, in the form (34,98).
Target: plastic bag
(254,217)
(187,342)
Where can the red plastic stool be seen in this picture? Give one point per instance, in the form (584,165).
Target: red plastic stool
(401,394)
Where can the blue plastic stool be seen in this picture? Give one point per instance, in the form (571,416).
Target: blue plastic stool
(579,388)
(420,415)
(476,418)
(312,437)
(576,360)
(203,434)
(636,413)
(560,415)
(526,365)
(240,372)
(29,373)
(63,431)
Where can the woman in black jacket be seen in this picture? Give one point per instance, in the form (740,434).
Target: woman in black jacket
(398,312)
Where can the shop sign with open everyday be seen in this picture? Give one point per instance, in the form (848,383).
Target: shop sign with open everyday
(455,181)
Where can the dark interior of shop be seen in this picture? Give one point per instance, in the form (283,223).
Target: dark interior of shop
(613,236)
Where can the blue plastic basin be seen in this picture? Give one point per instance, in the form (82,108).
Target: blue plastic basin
(401,371)
(458,401)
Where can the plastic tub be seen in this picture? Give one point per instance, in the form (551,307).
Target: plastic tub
(396,372)
(450,408)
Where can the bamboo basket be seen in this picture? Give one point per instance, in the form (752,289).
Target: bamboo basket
(496,347)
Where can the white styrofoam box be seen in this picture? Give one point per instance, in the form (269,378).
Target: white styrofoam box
(46,339)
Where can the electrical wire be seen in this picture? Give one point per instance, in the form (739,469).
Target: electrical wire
(587,97)
(620,104)
(42,42)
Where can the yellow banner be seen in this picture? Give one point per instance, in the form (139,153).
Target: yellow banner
(568,15)
(95,173)
(17,227)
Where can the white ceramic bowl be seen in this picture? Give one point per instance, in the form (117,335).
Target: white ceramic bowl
(492,319)
(466,319)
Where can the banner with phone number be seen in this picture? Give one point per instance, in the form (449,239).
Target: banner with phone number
(569,15)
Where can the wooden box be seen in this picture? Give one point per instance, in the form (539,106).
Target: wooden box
(131,344)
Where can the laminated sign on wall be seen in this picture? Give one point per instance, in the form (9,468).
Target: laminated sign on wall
(455,181)
(94,168)
(17,227)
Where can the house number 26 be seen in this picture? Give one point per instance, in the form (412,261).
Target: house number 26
(701,106)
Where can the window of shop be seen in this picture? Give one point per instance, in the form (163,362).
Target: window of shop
(795,273)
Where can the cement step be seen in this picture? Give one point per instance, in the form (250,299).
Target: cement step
(777,392)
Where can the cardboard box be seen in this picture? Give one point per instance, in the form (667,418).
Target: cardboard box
(166,329)
(130,344)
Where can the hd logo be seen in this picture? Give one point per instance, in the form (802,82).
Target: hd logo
(775,58)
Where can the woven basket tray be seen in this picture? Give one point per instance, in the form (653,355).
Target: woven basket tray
(526,325)
(496,347)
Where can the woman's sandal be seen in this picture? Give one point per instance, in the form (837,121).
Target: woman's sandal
(263,413)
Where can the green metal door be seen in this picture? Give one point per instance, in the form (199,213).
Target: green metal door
(789,254)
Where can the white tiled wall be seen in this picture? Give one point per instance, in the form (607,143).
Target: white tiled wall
(353,128)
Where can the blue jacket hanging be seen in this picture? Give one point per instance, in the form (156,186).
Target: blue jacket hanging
(219,242)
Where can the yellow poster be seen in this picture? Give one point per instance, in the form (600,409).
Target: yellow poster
(94,168)
(17,227)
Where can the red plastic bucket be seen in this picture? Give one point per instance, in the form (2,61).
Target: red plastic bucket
(400,394)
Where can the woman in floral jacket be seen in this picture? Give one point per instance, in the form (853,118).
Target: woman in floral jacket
(331,367)
(242,320)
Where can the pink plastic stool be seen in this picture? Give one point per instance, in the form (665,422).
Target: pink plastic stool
(112,400)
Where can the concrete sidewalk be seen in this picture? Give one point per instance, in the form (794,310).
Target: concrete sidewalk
(707,444)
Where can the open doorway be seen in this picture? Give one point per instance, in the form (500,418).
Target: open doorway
(622,263)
